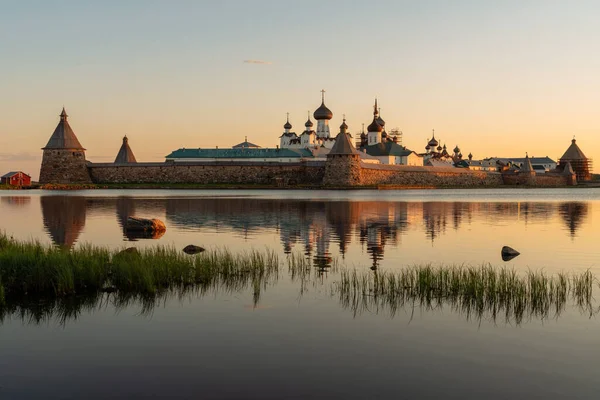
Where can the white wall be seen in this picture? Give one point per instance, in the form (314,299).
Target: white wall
(323,128)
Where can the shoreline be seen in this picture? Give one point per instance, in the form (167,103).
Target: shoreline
(199,186)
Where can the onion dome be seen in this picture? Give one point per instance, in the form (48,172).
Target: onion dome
(374,126)
(470,156)
(384,134)
(363,135)
(456,149)
(308,123)
(427,148)
(439,148)
(433,143)
(287,125)
(323,112)
(459,155)
(343,126)
(380,120)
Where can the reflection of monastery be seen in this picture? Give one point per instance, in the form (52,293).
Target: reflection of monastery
(309,227)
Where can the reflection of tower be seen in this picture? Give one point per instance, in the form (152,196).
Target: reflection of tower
(322,259)
(341,216)
(375,244)
(308,239)
(125,209)
(434,215)
(573,214)
(64,218)
(18,201)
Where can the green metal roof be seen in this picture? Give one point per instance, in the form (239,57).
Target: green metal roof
(387,149)
(240,153)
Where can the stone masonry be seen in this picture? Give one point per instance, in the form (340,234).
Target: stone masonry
(64,166)
(209,173)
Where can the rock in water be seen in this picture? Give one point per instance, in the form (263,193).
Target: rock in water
(191,249)
(145,225)
(508,253)
(129,250)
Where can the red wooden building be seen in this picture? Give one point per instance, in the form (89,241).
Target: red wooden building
(16,178)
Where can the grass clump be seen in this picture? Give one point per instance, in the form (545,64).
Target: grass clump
(30,268)
(474,291)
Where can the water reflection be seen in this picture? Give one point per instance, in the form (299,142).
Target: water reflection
(358,292)
(573,215)
(18,201)
(312,226)
(64,218)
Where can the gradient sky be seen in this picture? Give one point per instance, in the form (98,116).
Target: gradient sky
(496,78)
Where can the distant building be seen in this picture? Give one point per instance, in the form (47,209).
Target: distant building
(539,164)
(379,144)
(310,138)
(246,145)
(239,154)
(437,154)
(16,178)
(393,153)
(579,162)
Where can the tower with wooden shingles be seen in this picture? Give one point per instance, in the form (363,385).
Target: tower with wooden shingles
(125,154)
(579,162)
(63,160)
(343,167)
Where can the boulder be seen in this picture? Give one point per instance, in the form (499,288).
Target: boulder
(144,225)
(508,253)
(129,250)
(191,249)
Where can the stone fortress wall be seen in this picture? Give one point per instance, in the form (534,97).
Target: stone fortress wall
(338,171)
(403,175)
(264,173)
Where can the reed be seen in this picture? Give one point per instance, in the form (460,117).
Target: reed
(474,291)
(30,268)
(37,279)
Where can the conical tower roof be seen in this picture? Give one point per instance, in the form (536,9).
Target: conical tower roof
(63,136)
(125,155)
(568,170)
(573,152)
(343,145)
(527,167)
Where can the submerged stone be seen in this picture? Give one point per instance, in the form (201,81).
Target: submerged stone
(192,249)
(508,253)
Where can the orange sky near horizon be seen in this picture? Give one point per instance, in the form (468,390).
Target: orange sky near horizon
(494,79)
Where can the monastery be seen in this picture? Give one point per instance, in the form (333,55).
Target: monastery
(314,158)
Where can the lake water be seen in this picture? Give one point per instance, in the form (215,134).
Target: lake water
(300,340)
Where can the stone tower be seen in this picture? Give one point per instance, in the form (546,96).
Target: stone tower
(64,157)
(342,167)
(125,154)
(527,174)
